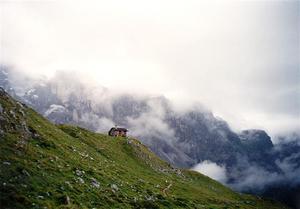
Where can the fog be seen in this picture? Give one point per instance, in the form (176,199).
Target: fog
(150,124)
(253,177)
(212,170)
(238,58)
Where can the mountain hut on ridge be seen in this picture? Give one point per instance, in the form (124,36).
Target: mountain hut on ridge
(116,131)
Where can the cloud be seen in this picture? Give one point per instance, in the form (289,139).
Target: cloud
(151,124)
(291,168)
(212,170)
(249,176)
(255,178)
(239,58)
(95,110)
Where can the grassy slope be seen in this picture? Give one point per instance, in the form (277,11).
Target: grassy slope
(47,166)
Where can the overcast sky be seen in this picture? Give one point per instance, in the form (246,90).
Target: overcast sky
(239,58)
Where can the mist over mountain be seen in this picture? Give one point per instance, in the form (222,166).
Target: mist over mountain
(212,86)
(194,138)
(45,165)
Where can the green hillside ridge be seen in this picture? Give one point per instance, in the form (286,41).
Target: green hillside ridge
(43,165)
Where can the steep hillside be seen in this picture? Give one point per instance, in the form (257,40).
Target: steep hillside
(47,166)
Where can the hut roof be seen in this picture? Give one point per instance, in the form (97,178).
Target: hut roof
(119,129)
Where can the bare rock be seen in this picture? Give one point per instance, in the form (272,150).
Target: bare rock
(95,183)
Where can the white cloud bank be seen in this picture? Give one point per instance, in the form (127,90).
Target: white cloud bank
(212,170)
(239,58)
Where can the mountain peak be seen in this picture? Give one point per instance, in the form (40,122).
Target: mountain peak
(259,137)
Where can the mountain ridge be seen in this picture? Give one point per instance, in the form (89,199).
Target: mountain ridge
(44,165)
(184,139)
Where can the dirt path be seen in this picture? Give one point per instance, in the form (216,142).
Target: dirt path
(165,190)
